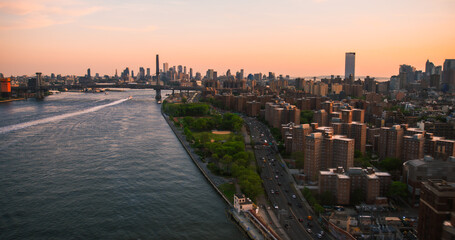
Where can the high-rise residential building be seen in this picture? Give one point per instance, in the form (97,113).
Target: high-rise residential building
(148,73)
(180,68)
(437,203)
(358,115)
(321,117)
(346,116)
(343,184)
(299,82)
(299,132)
(89,76)
(313,155)
(391,141)
(253,108)
(413,147)
(165,67)
(358,132)
(327,106)
(343,152)
(191,73)
(349,68)
(184,70)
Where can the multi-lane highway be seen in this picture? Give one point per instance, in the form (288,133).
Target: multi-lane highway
(281,192)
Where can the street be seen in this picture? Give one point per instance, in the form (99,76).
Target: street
(279,186)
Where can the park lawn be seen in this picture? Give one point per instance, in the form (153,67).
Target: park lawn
(228,189)
(216,137)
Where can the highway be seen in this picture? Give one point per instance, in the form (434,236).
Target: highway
(288,206)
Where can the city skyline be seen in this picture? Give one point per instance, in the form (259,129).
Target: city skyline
(299,38)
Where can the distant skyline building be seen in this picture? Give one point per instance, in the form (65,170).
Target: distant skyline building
(165,67)
(448,75)
(349,67)
(429,68)
(88,73)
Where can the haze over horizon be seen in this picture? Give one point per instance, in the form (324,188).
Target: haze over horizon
(294,37)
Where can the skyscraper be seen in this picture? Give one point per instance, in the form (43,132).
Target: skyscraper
(349,68)
(429,68)
(165,67)
(89,76)
(448,75)
(191,73)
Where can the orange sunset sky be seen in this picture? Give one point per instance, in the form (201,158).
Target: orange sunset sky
(295,37)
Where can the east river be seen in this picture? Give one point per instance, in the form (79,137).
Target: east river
(101,166)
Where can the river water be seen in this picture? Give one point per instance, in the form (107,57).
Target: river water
(97,166)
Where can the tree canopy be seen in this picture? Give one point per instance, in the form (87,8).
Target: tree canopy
(398,189)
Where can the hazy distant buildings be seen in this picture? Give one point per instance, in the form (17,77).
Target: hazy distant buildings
(448,75)
(349,68)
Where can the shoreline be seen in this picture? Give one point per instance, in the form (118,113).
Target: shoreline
(11,100)
(193,156)
(239,220)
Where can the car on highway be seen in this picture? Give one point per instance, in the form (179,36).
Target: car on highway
(293,196)
(275,206)
(309,231)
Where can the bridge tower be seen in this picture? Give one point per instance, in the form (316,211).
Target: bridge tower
(158,87)
(39,92)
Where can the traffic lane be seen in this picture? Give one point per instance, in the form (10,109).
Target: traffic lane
(284,199)
(288,198)
(299,213)
(294,202)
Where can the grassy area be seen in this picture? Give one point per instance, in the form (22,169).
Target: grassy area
(216,137)
(228,189)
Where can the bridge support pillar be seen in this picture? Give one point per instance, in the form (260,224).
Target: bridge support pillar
(158,94)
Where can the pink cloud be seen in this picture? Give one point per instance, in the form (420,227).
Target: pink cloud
(26,14)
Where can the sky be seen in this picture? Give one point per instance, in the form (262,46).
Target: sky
(290,37)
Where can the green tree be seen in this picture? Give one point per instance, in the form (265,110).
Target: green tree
(398,189)
(306,116)
(299,158)
(391,164)
(318,208)
(358,154)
